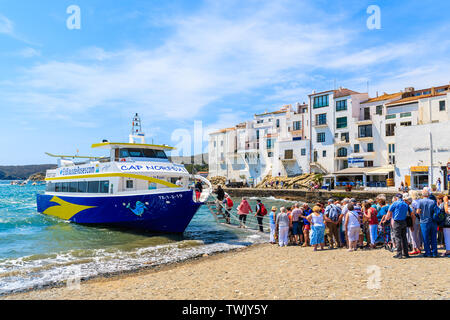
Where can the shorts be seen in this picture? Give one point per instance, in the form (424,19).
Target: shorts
(307,227)
(353,233)
(296,228)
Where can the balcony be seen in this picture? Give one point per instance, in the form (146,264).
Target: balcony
(341,142)
(320,124)
(366,120)
(363,138)
(271,135)
(262,124)
(364,155)
(391,116)
(296,133)
(405,115)
(287,159)
(251,146)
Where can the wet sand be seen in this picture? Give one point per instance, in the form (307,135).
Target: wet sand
(269,272)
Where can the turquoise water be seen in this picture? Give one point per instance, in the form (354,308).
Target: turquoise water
(37,250)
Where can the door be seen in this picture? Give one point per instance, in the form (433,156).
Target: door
(366,113)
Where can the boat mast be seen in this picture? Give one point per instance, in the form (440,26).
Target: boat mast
(136,131)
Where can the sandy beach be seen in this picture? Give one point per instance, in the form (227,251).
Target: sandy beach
(269,272)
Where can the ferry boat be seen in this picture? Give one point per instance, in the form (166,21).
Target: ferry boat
(136,187)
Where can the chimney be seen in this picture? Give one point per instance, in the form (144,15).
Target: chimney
(377,94)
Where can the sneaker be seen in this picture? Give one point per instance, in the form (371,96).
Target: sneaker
(406,257)
(398,256)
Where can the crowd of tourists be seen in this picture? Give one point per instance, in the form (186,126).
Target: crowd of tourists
(413,223)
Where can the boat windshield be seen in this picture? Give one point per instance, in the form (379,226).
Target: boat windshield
(142,153)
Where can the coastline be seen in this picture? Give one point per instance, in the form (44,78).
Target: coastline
(264,271)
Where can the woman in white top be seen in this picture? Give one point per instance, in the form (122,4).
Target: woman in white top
(352,227)
(317,220)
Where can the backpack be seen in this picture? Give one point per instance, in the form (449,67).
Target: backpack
(438,215)
(263,210)
(230,202)
(335,212)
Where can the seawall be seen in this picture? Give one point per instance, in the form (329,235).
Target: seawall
(306,196)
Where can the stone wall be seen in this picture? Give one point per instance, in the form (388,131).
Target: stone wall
(305,196)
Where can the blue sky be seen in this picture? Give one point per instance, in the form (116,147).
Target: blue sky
(175,62)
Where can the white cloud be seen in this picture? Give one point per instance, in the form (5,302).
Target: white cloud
(29,53)
(6,26)
(219,51)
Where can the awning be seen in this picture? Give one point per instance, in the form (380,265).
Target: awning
(381,170)
(353,171)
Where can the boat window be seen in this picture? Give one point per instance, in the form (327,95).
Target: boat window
(135,153)
(129,184)
(79,187)
(149,153)
(73,187)
(160,154)
(50,187)
(104,186)
(93,186)
(124,153)
(82,186)
(142,153)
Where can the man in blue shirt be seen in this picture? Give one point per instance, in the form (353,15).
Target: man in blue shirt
(398,212)
(425,208)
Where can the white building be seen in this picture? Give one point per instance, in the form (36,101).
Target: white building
(333,115)
(422,154)
(344,134)
(272,143)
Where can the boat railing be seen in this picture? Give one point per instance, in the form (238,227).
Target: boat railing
(206,192)
(230,217)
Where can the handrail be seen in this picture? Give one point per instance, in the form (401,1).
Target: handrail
(207,191)
(250,224)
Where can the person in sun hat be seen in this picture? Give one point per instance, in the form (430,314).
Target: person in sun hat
(273,225)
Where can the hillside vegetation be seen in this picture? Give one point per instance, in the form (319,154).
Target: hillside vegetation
(23,172)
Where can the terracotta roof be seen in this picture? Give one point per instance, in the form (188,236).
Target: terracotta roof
(267,113)
(223,130)
(413,99)
(385,96)
(343,92)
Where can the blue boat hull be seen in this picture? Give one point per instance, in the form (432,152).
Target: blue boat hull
(169,212)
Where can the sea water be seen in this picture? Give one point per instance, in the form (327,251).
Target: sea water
(38,250)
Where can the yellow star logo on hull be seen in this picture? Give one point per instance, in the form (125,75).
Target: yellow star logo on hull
(65,210)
